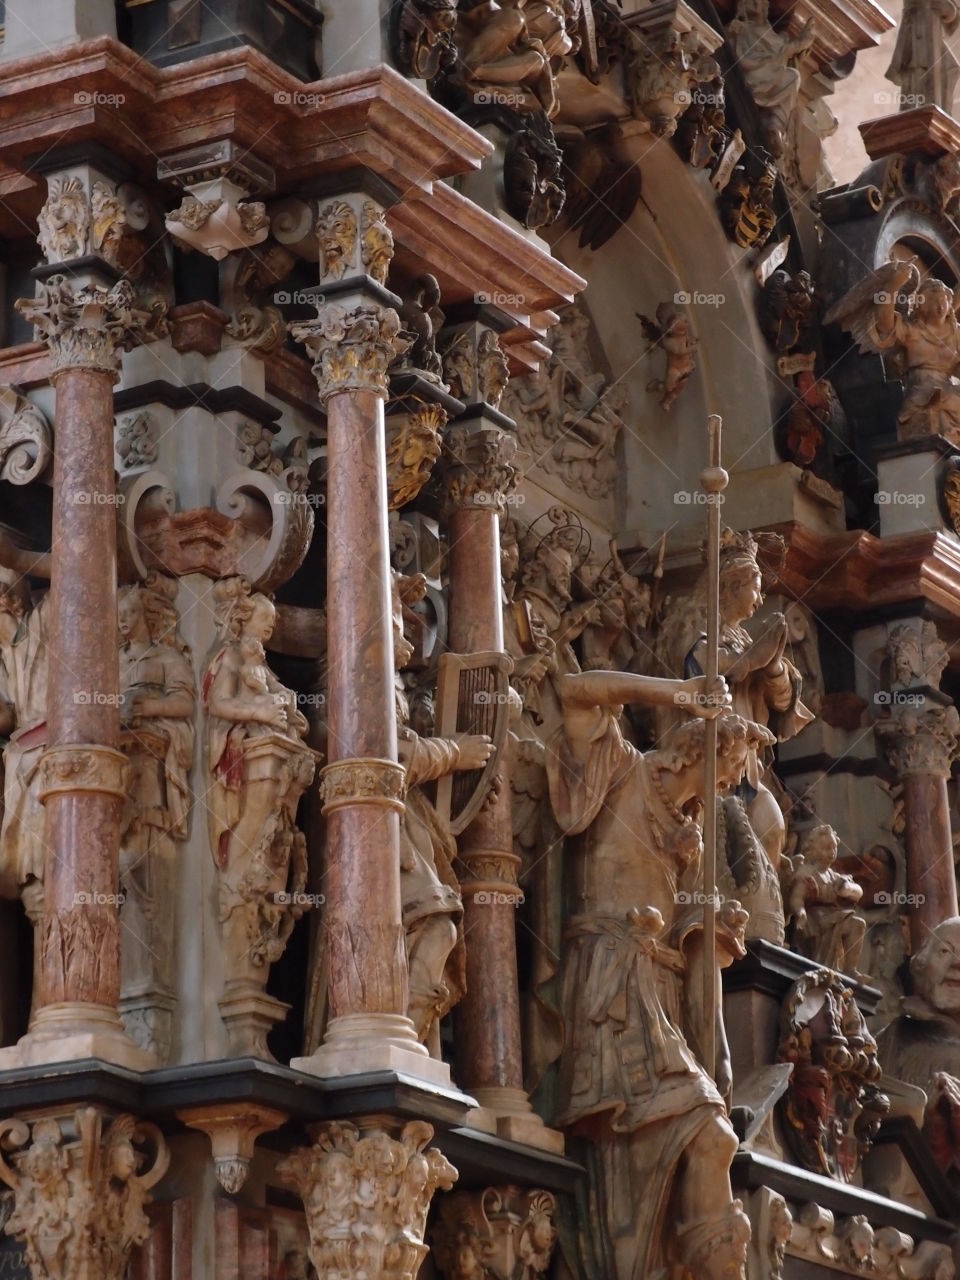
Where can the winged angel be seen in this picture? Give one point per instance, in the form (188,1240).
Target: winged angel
(892,310)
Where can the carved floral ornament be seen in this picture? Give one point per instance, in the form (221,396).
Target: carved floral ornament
(80,1185)
(854,1246)
(83,767)
(366,1196)
(87,327)
(73,223)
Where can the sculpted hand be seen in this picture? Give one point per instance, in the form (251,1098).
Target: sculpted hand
(707,703)
(273,712)
(475,750)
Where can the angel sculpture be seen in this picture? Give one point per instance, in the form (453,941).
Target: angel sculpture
(891,311)
(671,332)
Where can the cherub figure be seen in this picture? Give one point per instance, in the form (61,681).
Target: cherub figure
(670,332)
(892,310)
(823,904)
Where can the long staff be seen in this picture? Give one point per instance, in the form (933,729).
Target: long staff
(714,481)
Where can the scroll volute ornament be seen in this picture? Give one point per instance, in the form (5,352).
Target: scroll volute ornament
(80,1185)
(504,1233)
(366,1196)
(834,1105)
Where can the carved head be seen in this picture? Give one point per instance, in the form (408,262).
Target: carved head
(406,590)
(936,968)
(737,739)
(131,619)
(12,610)
(820,846)
(337,234)
(242,613)
(934,302)
(509,553)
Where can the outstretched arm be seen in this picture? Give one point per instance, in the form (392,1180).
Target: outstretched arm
(13,557)
(615,688)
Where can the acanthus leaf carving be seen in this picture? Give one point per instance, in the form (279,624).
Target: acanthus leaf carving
(85,327)
(352,349)
(366,1196)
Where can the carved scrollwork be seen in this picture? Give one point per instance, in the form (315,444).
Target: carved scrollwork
(80,1187)
(26,440)
(362,781)
(505,1233)
(269,560)
(136,441)
(367,1197)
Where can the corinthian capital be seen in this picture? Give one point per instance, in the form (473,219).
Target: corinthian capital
(918,741)
(367,1197)
(87,327)
(479,465)
(352,348)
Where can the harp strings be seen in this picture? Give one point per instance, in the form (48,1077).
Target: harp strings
(476,713)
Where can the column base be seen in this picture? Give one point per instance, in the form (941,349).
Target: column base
(507,1113)
(71,1031)
(249,1017)
(362,1042)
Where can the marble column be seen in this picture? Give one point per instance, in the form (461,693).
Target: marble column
(921,745)
(85,320)
(352,342)
(479,473)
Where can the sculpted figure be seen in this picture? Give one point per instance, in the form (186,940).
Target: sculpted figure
(24,663)
(423,318)
(823,902)
(432,907)
(746,203)
(632,974)
(259,767)
(765,58)
(893,311)
(764,683)
(510,45)
(157,686)
(924,64)
(337,238)
(671,332)
(611,642)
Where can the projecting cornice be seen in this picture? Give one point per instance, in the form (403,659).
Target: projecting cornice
(308,134)
(842,27)
(858,571)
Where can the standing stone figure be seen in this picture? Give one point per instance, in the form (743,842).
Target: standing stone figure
(430,893)
(632,976)
(157,686)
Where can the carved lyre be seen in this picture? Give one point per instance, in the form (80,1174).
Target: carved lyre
(473,696)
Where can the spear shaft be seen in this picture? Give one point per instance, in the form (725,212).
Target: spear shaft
(713,481)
